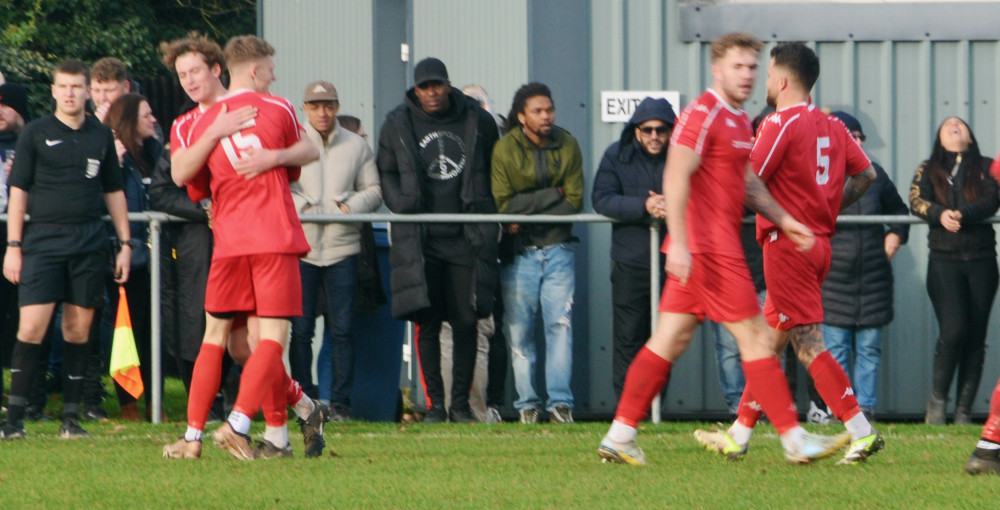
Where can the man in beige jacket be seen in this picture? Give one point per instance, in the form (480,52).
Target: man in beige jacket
(343,181)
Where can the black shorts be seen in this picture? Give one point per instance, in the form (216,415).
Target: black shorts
(64,263)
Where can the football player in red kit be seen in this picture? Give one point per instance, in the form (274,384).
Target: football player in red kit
(804,156)
(705,184)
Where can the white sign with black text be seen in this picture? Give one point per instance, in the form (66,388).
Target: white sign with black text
(618,105)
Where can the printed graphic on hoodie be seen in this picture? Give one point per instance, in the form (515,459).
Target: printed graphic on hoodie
(444,153)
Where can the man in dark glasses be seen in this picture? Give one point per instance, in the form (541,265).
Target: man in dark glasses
(629,187)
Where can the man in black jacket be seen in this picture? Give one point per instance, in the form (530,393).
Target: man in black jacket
(433,157)
(857,293)
(629,187)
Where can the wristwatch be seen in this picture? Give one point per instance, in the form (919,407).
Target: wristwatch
(14,244)
(130,243)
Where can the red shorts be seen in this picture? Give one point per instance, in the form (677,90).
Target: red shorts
(269,285)
(793,282)
(718,287)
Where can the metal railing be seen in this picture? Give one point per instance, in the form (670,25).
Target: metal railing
(157,219)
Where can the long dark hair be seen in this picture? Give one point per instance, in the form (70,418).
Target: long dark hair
(521,97)
(942,160)
(123,119)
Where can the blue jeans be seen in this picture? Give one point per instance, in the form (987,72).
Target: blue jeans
(866,345)
(727,357)
(546,277)
(335,362)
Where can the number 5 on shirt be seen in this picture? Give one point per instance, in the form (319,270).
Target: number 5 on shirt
(822,160)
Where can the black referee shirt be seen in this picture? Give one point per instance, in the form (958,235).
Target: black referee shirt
(66,171)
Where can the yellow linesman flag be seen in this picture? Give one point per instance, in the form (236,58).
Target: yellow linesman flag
(124,358)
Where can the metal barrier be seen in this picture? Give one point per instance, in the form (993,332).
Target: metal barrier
(156,220)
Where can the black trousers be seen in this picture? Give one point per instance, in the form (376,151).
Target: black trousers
(630,327)
(449,287)
(962,293)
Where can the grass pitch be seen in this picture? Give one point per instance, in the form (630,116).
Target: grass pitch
(476,466)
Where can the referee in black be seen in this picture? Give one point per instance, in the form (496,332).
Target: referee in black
(65,171)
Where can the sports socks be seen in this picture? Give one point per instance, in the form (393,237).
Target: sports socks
(766,383)
(278,436)
(833,385)
(749,412)
(23,366)
(300,402)
(205,381)
(74,368)
(991,430)
(646,376)
(260,375)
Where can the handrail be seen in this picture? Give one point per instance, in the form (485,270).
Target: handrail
(157,219)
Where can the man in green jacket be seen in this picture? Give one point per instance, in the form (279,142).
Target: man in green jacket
(538,169)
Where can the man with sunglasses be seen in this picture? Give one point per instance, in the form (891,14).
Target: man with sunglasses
(628,187)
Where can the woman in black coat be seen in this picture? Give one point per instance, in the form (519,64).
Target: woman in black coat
(953,192)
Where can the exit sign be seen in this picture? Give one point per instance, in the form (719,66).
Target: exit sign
(618,105)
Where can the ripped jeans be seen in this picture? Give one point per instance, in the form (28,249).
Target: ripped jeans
(546,277)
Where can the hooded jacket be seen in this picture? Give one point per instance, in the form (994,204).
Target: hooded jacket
(402,189)
(858,289)
(625,176)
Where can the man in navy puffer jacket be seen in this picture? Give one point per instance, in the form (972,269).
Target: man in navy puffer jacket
(628,187)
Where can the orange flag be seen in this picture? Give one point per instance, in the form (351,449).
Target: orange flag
(124,358)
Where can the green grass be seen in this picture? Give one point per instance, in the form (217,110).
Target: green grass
(506,466)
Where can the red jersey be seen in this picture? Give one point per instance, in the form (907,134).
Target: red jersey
(804,156)
(252,216)
(198,188)
(722,136)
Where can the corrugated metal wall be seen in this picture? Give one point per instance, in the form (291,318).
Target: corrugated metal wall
(900,90)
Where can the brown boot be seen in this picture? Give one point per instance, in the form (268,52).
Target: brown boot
(130,412)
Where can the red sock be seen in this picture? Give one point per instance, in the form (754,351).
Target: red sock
(293,391)
(832,384)
(766,383)
(275,406)
(991,431)
(205,381)
(257,382)
(749,411)
(646,376)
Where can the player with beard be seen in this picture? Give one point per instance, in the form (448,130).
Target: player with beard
(705,183)
(804,156)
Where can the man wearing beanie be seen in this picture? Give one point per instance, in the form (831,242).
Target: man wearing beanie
(434,157)
(629,187)
(857,293)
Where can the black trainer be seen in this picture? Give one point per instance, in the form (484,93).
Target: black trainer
(458,415)
(338,413)
(10,431)
(93,413)
(435,415)
(36,413)
(71,429)
(983,461)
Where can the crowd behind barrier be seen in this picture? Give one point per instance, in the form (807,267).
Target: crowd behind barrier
(156,220)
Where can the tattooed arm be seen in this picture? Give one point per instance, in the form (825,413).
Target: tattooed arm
(856,186)
(759,199)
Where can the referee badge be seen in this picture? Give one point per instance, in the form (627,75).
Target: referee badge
(93,166)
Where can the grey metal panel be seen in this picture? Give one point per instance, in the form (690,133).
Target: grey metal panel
(900,88)
(485,43)
(841,21)
(318,39)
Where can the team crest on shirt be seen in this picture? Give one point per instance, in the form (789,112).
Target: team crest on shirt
(93,166)
(730,123)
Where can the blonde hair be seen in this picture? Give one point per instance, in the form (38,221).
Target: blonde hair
(246,48)
(734,40)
